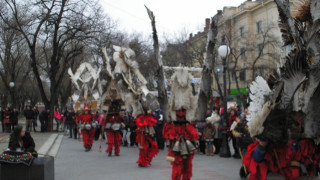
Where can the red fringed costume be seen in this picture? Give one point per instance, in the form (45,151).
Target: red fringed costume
(113,124)
(179,133)
(286,159)
(148,147)
(87,135)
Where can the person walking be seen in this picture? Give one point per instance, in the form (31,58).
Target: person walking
(29,115)
(112,123)
(87,130)
(69,123)
(57,118)
(14,117)
(44,118)
(35,119)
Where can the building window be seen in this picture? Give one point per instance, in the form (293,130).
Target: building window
(243,52)
(242,75)
(241,31)
(259,27)
(260,48)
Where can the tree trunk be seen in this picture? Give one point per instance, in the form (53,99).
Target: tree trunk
(162,91)
(205,93)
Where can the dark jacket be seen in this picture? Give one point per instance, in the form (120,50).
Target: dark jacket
(29,114)
(14,117)
(69,117)
(28,143)
(44,115)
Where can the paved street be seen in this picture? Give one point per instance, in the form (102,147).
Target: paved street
(73,163)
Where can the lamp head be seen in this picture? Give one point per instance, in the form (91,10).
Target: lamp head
(224,51)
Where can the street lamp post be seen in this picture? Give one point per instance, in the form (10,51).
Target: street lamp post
(11,84)
(224,149)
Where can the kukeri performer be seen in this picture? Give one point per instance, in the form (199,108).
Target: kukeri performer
(180,134)
(148,147)
(87,127)
(113,123)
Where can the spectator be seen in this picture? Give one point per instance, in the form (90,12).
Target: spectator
(200,128)
(14,118)
(69,123)
(158,128)
(6,120)
(35,118)
(215,120)
(28,114)
(44,118)
(57,118)
(21,141)
(208,134)
(232,118)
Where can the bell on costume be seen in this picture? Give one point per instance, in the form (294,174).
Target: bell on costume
(190,146)
(184,149)
(151,131)
(176,147)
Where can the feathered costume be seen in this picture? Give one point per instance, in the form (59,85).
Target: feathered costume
(180,133)
(148,147)
(284,112)
(113,124)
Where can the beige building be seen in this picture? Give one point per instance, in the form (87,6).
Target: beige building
(252,33)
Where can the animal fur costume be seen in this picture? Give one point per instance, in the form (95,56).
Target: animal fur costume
(179,132)
(148,147)
(113,123)
(87,135)
(289,101)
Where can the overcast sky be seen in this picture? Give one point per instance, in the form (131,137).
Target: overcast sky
(172,16)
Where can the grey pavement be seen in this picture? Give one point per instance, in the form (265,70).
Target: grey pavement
(73,163)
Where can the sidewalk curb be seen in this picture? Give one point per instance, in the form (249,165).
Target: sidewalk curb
(56,146)
(43,151)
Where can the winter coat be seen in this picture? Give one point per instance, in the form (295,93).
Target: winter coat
(215,120)
(209,132)
(14,117)
(57,115)
(27,141)
(6,117)
(69,118)
(44,115)
(29,114)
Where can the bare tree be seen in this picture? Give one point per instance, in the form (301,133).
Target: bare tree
(57,31)
(14,61)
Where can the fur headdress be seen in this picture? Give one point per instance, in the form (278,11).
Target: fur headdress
(297,88)
(181,94)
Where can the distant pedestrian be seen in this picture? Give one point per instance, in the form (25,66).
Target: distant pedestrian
(57,118)
(6,120)
(14,118)
(70,124)
(208,135)
(44,119)
(1,118)
(215,120)
(29,115)
(35,118)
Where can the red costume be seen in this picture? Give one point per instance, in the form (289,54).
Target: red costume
(113,124)
(180,133)
(148,148)
(87,134)
(287,160)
